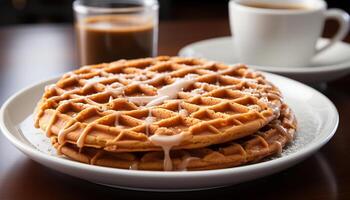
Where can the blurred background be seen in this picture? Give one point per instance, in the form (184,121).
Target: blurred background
(37,38)
(60,11)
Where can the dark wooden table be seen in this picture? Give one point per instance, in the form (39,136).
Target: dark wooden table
(32,53)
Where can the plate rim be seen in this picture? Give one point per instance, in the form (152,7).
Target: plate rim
(289,70)
(33,152)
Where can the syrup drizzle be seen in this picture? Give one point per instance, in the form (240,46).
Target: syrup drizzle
(283,131)
(116,121)
(115,91)
(82,136)
(185,162)
(134,166)
(177,86)
(279,147)
(59,149)
(63,132)
(217,82)
(157,101)
(52,120)
(166,92)
(95,158)
(110,99)
(142,100)
(148,121)
(182,111)
(167,142)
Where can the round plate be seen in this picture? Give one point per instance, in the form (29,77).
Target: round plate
(317,122)
(328,65)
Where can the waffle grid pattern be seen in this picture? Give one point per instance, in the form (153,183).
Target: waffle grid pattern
(268,141)
(104,106)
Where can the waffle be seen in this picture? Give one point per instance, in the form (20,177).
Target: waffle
(156,104)
(268,141)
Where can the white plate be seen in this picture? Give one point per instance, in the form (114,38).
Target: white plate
(328,65)
(316,115)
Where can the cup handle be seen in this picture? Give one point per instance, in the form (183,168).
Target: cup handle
(344,23)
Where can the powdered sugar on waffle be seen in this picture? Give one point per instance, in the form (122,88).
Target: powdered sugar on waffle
(129,81)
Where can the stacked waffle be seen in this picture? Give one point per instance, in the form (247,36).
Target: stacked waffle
(165,113)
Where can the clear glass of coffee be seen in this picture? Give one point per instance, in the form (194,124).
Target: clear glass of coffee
(110,30)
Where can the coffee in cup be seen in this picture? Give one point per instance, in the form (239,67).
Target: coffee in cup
(281,33)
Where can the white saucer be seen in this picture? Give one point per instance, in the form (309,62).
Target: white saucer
(317,122)
(329,65)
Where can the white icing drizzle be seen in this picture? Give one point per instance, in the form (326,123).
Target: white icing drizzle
(104,73)
(110,99)
(185,162)
(140,77)
(156,78)
(89,101)
(115,85)
(197,91)
(115,89)
(283,131)
(116,121)
(134,166)
(180,84)
(166,92)
(142,100)
(222,72)
(52,120)
(70,92)
(250,91)
(279,147)
(70,74)
(59,149)
(95,79)
(63,132)
(167,142)
(87,68)
(246,80)
(121,78)
(82,136)
(182,111)
(275,108)
(135,81)
(92,82)
(50,87)
(95,158)
(148,121)
(89,85)
(157,101)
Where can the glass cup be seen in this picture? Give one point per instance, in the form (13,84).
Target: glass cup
(110,30)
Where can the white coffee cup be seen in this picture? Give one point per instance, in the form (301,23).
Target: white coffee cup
(281,37)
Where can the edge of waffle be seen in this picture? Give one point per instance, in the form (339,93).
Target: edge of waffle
(67,107)
(268,141)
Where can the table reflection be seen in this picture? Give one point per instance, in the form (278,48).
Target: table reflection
(27,176)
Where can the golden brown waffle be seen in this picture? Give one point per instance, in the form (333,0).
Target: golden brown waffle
(268,141)
(154,103)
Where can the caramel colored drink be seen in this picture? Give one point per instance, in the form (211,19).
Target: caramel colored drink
(110,30)
(109,38)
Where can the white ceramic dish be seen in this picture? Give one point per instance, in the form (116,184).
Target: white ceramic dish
(328,65)
(317,118)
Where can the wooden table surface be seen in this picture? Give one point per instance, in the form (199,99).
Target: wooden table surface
(32,53)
